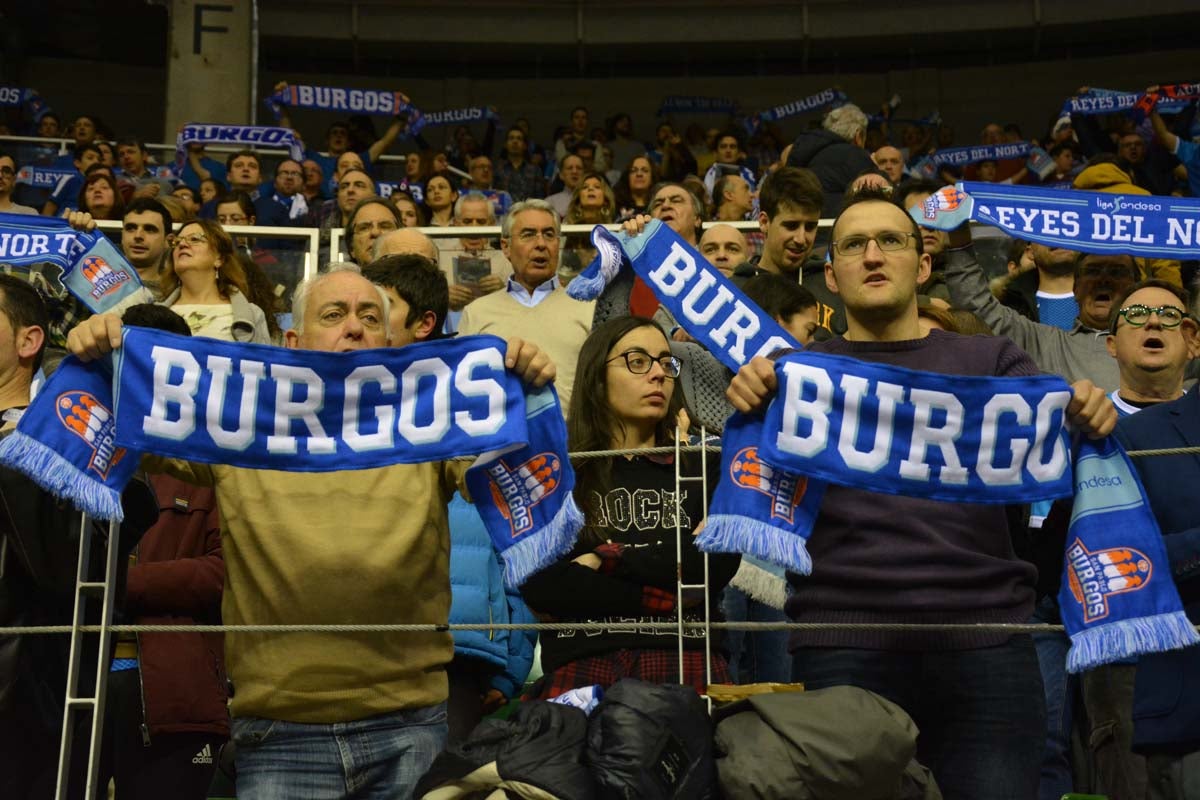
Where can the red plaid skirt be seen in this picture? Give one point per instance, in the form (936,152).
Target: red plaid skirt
(653,666)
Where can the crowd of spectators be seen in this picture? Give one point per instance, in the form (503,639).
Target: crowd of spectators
(997,712)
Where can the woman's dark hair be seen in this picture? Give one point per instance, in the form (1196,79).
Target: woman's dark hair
(622,192)
(261,292)
(448,178)
(118,207)
(400,194)
(591,422)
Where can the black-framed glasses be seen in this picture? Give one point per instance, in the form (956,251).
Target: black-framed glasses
(1138,315)
(639,362)
(888,241)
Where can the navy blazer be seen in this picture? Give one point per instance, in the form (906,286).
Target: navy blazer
(1167,697)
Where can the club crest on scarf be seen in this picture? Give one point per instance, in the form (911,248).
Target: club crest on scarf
(90,420)
(785,490)
(104,279)
(517,490)
(1094,577)
(948,199)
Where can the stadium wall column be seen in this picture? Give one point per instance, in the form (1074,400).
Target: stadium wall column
(210,63)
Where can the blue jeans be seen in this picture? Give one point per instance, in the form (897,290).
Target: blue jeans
(755,656)
(378,757)
(1060,690)
(980,712)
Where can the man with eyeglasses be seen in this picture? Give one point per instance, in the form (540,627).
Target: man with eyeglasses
(899,560)
(372,217)
(1160,722)
(533,305)
(285,206)
(1152,336)
(1080,352)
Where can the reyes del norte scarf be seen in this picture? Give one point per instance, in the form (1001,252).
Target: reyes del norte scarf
(262,407)
(93,270)
(1171,98)
(889,429)
(1037,160)
(1091,222)
(43,177)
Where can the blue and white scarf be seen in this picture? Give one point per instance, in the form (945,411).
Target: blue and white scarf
(816,102)
(43,177)
(263,407)
(928,166)
(1118,598)
(237,136)
(388,188)
(1091,222)
(419,120)
(330,98)
(696,104)
(1107,101)
(888,429)
(93,270)
(15,96)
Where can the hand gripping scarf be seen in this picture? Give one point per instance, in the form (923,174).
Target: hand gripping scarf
(263,407)
(92,268)
(888,429)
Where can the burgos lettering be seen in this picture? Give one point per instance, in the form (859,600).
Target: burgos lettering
(935,422)
(178,402)
(236,134)
(785,490)
(1095,577)
(517,490)
(103,278)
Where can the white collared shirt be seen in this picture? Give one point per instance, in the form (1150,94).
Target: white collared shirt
(523,295)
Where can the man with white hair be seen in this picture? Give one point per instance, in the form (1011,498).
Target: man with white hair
(835,153)
(320,713)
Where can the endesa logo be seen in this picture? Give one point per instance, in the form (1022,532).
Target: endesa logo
(517,490)
(104,279)
(83,414)
(786,491)
(1095,577)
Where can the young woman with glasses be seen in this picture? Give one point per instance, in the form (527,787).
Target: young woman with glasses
(622,572)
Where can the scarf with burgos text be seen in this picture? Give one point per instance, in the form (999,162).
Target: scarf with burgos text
(888,429)
(1090,222)
(261,407)
(826,98)
(93,270)
(331,98)
(756,508)
(419,120)
(235,136)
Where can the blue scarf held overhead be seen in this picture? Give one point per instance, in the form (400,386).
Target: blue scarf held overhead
(419,120)
(816,102)
(94,270)
(1090,222)
(696,104)
(15,96)
(237,136)
(1117,597)
(66,441)
(1037,160)
(43,177)
(1107,101)
(261,407)
(330,98)
(708,306)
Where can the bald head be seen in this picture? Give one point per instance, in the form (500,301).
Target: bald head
(405,240)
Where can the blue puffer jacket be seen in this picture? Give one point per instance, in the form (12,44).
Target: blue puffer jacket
(478,595)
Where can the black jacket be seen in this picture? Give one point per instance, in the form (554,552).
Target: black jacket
(835,162)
